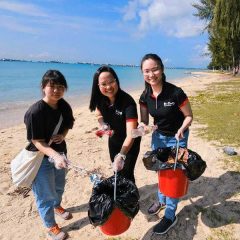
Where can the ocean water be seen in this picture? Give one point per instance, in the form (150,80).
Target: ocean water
(20,84)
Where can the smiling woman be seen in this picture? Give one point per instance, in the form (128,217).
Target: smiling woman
(53,87)
(171,111)
(116,110)
(40,120)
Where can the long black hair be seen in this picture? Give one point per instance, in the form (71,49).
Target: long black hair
(96,95)
(159,62)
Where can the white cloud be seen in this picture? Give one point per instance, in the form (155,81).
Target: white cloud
(172,17)
(201,49)
(197,47)
(22,8)
(130,11)
(201,54)
(12,24)
(184,28)
(205,50)
(28,18)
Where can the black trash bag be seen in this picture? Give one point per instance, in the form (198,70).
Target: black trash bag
(160,159)
(195,166)
(101,203)
(153,160)
(164,158)
(191,161)
(163,153)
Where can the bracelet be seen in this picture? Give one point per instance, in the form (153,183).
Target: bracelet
(122,156)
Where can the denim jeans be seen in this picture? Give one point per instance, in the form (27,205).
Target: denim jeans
(161,141)
(48,188)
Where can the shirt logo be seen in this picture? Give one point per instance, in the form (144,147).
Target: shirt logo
(118,112)
(168,104)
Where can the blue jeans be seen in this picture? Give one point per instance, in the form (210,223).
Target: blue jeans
(48,188)
(161,141)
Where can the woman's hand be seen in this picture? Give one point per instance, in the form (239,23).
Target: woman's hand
(180,134)
(60,161)
(104,126)
(59,138)
(118,163)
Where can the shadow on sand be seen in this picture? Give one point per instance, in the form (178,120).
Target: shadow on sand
(79,223)
(210,202)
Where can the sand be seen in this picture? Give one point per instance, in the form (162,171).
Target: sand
(210,210)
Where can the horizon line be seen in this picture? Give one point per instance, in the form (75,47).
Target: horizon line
(88,63)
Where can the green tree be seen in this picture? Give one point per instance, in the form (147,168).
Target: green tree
(219,51)
(223,26)
(226,25)
(205,11)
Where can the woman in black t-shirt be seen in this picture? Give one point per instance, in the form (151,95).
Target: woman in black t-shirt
(115,109)
(41,120)
(172,115)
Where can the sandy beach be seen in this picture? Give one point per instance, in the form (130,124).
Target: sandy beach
(210,210)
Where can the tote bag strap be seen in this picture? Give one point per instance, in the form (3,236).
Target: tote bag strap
(57,128)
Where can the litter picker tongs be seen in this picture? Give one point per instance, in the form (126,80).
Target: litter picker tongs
(176,158)
(115,187)
(77,168)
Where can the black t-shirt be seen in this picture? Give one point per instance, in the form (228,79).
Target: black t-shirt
(165,109)
(124,109)
(41,120)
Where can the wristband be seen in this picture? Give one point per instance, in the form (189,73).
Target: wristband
(122,156)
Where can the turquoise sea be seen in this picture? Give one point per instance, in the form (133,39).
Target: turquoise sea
(20,84)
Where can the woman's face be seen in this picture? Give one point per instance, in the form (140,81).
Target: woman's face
(53,92)
(152,72)
(107,84)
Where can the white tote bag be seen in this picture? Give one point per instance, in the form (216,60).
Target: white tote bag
(25,165)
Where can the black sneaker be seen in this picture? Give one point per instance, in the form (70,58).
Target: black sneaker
(164,225)
(155,208)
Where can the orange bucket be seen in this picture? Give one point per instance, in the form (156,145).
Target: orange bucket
(117,223)
(172,183)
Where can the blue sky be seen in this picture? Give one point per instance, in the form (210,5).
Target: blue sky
(102,31)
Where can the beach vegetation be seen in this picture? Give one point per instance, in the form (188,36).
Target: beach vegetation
(221,234)
(223,26)
(217,109)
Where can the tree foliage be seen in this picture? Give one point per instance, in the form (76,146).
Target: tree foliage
(205,11)
(223,26)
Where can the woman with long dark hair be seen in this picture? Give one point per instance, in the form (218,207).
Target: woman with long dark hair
(115,109)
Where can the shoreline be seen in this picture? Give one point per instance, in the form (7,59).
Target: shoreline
(14,116)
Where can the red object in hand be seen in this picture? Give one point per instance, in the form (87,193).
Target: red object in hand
(101,132)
